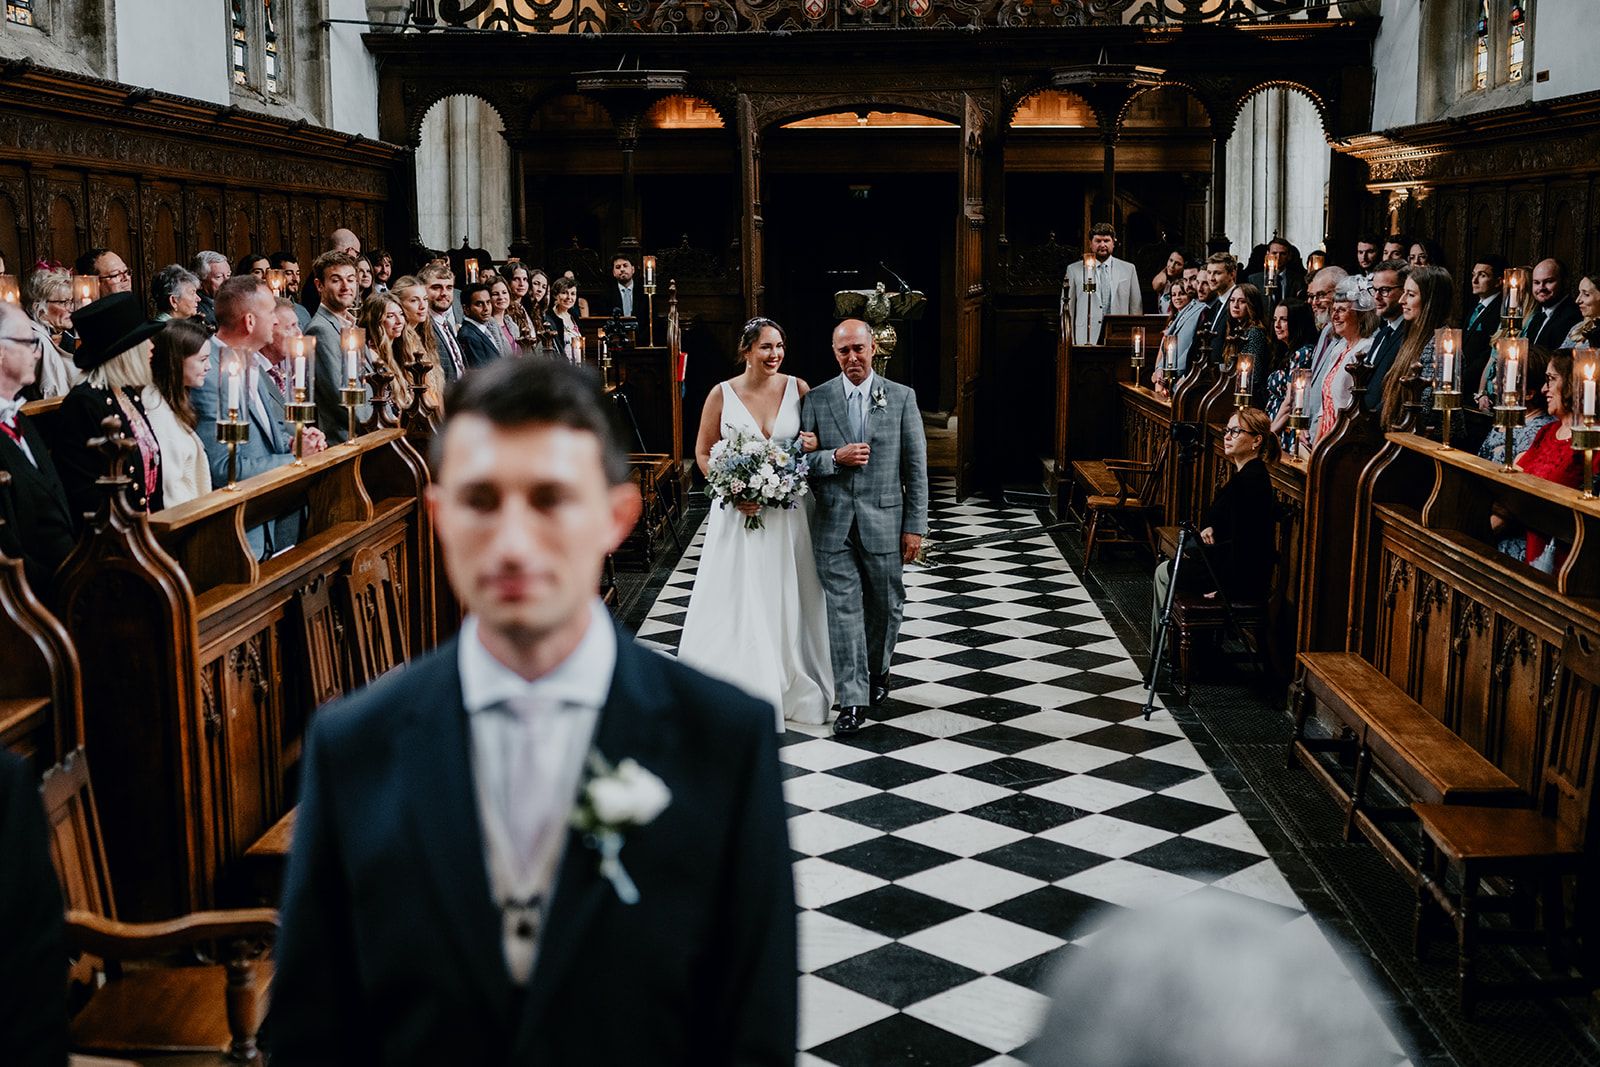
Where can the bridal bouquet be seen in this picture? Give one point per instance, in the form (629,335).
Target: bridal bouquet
(748,467)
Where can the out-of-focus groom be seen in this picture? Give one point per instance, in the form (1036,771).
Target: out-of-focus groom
(870,476)
(441,903)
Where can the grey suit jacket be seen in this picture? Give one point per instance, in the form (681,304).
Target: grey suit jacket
(268,448)
(1083,314)
(887,497)
(332,418)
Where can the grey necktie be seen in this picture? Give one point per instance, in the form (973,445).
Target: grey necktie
(627,299)
(858,425)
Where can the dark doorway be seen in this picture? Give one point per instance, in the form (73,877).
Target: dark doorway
(826,232)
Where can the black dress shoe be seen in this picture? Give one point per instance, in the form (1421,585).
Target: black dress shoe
(880,689)
(850,719)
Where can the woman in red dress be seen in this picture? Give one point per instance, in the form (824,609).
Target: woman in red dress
(1551,456)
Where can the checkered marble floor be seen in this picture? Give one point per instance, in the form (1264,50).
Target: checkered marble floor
(1007,799)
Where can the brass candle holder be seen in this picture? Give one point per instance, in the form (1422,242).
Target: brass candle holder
(1446,379)
(1299,418)
(1241,385)
(233,430)
(1586,434)
(650,296)
(352,342)
(300,410)
(1136,361)
(1447,401)
(1586,439)
(1510,412)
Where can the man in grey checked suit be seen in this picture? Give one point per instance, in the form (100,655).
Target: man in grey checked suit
(870,476)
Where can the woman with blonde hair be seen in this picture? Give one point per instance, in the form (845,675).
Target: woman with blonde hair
(1425,301)
(396,337)
(50,308)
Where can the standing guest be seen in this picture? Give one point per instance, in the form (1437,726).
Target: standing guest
(515,927)
(50,309)
(40,529)
(1117,290)
(1483,322)
(1294,336)
(1396,246)
(1555,313)
(1353,320)
(1582,335)
(364,281)
(382,269)
(1291,280)
(439,282)
(1366,254)
(252,263)
(212,270)
(114,355)
(286,262)
(334,275)
(182,358)
(175,293)
(1425,303)
(1551,457)
(33,1016)
(506,334)
(344,240)
(1425,253)
(102,263)
(517,278)
(1170,273)
(1223,268)
(477,334)
(620,298)
(563,297)
(1387,289)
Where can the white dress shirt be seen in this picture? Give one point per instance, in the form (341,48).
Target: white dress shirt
(573,693)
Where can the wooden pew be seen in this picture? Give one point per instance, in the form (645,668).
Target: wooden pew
(207,663)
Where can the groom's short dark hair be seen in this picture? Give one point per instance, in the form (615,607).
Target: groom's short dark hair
(512,393)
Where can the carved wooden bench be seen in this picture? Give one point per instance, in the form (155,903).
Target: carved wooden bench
(1420,756)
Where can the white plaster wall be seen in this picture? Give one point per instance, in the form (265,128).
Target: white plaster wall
(176,46)
(464,177)
(1395,57)
(352,73)
(1564,44)
(1277,173)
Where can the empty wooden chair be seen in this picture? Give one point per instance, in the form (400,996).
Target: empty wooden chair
(157,1007)
(1130,507)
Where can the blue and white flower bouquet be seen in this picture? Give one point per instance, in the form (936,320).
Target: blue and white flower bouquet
(748,467)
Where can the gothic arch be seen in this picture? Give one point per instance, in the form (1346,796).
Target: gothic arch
(1324,111)
(773,111)
(1016,106)
(425,98)
(1173,85)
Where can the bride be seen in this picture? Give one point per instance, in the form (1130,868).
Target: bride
(756,616)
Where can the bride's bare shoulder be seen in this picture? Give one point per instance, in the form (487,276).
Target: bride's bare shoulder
(714,399)
(800,386)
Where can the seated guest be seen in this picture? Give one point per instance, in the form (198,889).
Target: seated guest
(1550,456)
(1189,307)
(1291,280)
(505,332)
(363,279)
(1353,319)
(439,282)
(1223,268)
(420,340)
(382,269)
(1170,273)
(1483,323)
(1554,312)
(517,279)
(247,322)
(581,305)
(175,293)
(182,357)
(1247,338)
(384,319)
(1538,415)
(1424,253)
(1294,336)
(334,275)
(114,355)
(1238,528)
(563,297)
(1396,246)
(1366,254)
(212,269)
(1387,289)
(40,526)
(252,263)
(1588,300)
(621,297)
(538,299)
(51,311)
(1425,303)
(476,336)
(102,263)
(1319,294)
(286,262)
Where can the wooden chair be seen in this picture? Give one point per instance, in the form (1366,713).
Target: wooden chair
(1135,499)
(1535,848)
(158,1007)
(375,606)
(656,475)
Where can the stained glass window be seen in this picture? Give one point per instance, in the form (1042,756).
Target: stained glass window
(241,45)
(20,12)
(1480,58)
(273,59)
(1514,47)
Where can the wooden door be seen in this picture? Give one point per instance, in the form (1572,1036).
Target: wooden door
(969,295)
(750,236)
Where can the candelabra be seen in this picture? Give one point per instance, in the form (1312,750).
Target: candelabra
(232,429)
(302,412)
(353,341)
(1241,387)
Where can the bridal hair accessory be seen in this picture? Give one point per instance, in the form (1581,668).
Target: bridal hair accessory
(613,801)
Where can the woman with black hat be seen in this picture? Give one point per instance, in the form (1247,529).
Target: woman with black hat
(114,354)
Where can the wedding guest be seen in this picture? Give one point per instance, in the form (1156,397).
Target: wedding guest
(382,269)
(212,270)
(564,296)
(1223,269)
(384,319)
(334,275)
(1424,253)
(1182,327)
(1294,336)
(1353,320)
(1555,313)
(439,282)
(344,240)
(1387,290)
(580,303)
(114,355)
(175,293)
(1366,254)
(515,926)
(1170,273)
(538,298)
(33,1016)
(1324,283)
(516,276)
(1116,292)
(504,332)
(1537,407)
(477,334)
(1396,246)
(182,356)
(620,297)
(1583,335)
(102,263)
(278,353)
(50,312)
(1247,337)
(41,527)
(286,262)
(364,282)
(1425,304)
(253,263)
(1550,456)
(419,339)
(1291,276)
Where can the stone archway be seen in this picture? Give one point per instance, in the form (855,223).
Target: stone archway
(463,175)
(1280,157)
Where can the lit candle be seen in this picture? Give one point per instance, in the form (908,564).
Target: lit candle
(235,392)
(353,339)
(605,356)
(1448,382)
(1299,396)
(1244,376)
(1138,342)
(577,349)
(1170,350)
(300,373)
(1588,390)
(650,271)
(10,292)
(350,367)
(275,281)
(1511,376)
(1272,269)
(472,271)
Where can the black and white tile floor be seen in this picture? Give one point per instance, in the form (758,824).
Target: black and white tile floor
(1007,799)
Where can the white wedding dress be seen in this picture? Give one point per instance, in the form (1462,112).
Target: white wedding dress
(757,617)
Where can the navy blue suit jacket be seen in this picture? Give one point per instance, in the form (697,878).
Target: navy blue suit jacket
(391,951)
(477,347)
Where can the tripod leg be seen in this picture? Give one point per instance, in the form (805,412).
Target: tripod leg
(1164,627)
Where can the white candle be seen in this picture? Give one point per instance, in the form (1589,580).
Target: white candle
(350,365)
(1244,376)
(1588,393)
(1138,342)
(235,390)
(1449,370)
(1511,375)
(1513,300)
(299,372)
(1299,396)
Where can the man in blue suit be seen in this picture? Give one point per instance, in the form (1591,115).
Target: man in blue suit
(456,892)
(477,344)
(246,318)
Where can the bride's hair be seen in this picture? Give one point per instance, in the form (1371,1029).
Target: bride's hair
(752,333)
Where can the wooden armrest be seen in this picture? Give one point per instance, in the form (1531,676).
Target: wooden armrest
(116,940)
(1132,466)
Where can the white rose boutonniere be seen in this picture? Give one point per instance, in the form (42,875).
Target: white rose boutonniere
(880,399)
(613,801)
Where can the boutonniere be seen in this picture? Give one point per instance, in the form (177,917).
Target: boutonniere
(613,801)
(880,399)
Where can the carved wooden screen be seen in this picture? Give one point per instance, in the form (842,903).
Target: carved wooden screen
(750,232)
(969,293)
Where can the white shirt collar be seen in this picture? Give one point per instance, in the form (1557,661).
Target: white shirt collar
(486,327)
(1486,301)
(583,678)
(865,388)
(441,317)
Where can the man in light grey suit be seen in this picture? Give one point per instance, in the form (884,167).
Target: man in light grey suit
(334,275)
(1116,289)
(870,476)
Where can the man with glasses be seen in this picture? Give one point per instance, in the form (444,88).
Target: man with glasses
(102,263)
(1391,332)
(38,524)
